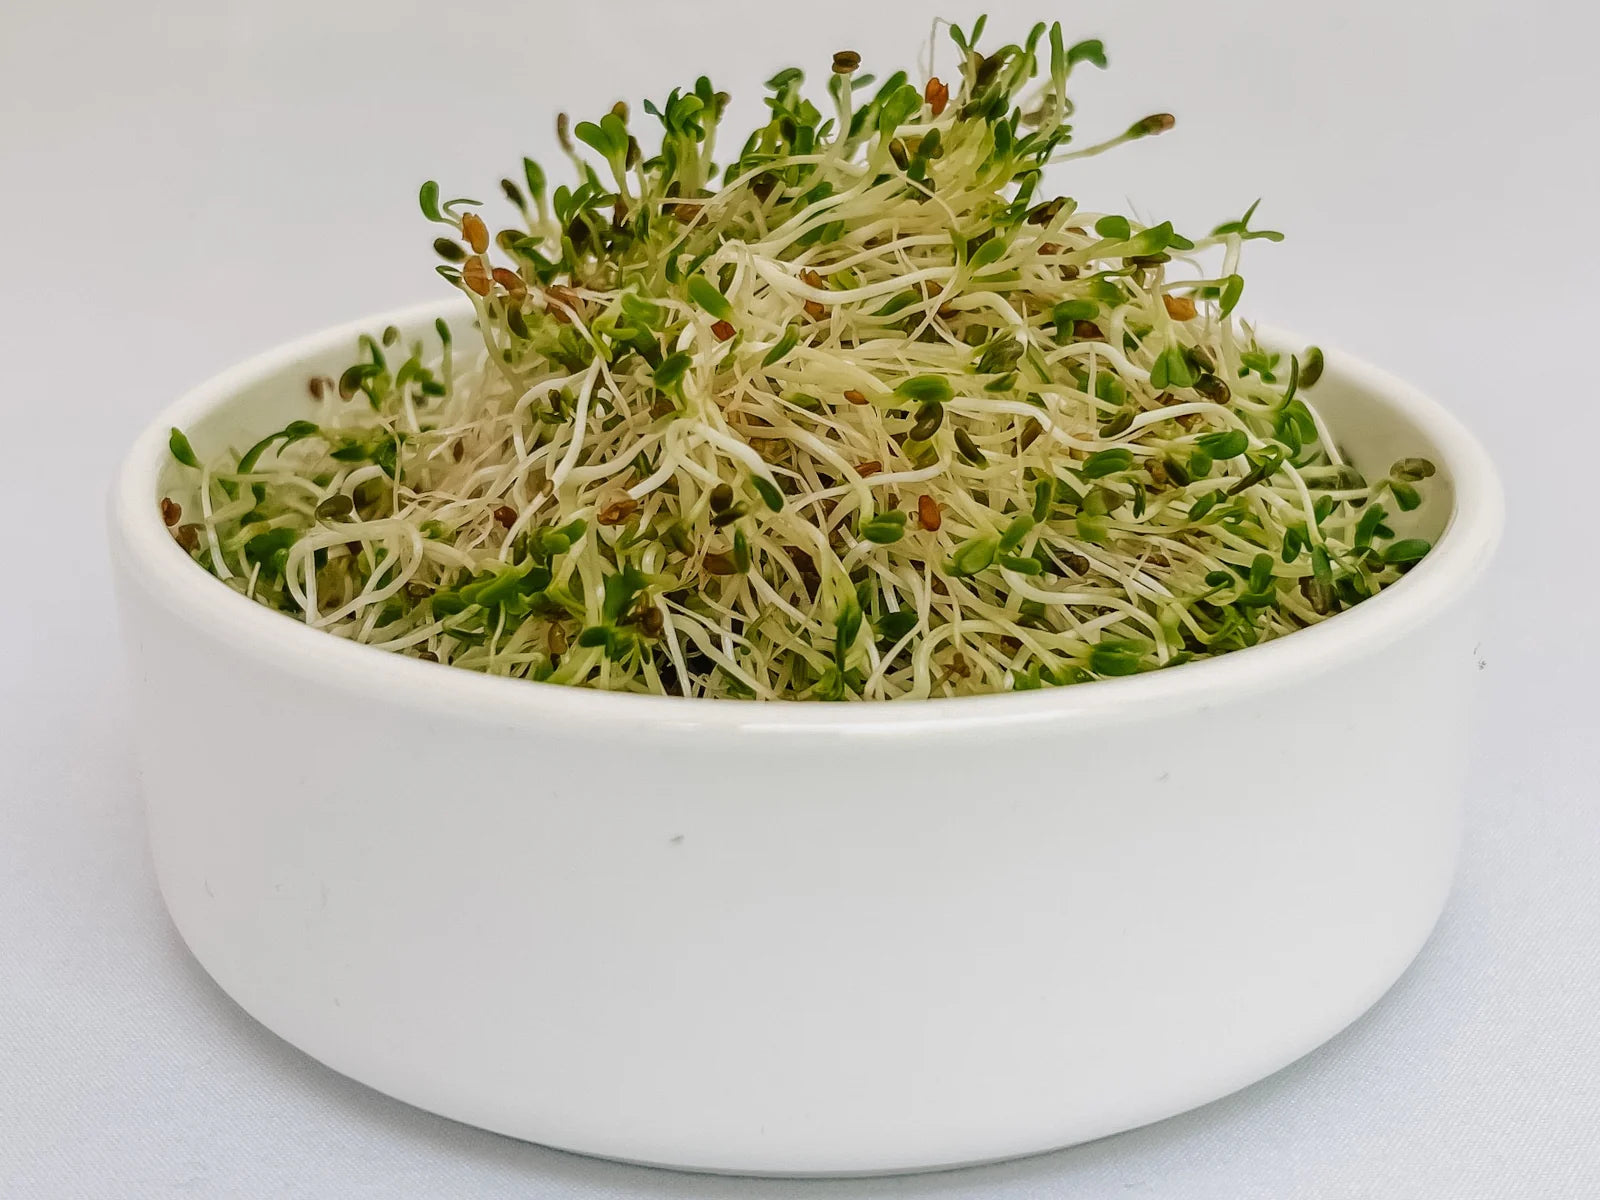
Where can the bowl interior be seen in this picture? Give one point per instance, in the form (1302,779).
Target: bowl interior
(1375,418)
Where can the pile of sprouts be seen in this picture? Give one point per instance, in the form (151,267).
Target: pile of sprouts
(860,414)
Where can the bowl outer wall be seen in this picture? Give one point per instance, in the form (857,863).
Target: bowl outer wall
(801,938)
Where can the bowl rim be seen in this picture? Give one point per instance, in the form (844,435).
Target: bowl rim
(147,555)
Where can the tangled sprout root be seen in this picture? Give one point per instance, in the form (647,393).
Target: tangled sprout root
(860,415)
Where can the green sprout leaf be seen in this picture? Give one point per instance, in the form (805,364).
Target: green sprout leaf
(769,493)
(1406,496)
(780,349)
(1371,520)
(1173,369)
(1152,241)
(892,626)
(1044,493)
(1242,228)
(598,138)
(181,450)
(1260,577)
(1014,533)
(1223,445)
(969,449)
(846,626)
(925,389)
(987,255)
(428,199)
(1092,52)
(1232,290)
(1412,469)
(1107,462)
(1068,312)
(972,556)
(1114,228)
(1408,551)
(704,293)
(885,528)
(1311,371)
(1116,657)
(671,371)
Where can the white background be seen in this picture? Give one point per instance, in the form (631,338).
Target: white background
(184,184)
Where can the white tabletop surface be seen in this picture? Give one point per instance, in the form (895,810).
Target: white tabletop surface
(184,183)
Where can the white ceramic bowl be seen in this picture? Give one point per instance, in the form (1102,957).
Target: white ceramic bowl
(802,938)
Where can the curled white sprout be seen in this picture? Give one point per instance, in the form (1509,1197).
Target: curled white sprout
(872,420)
